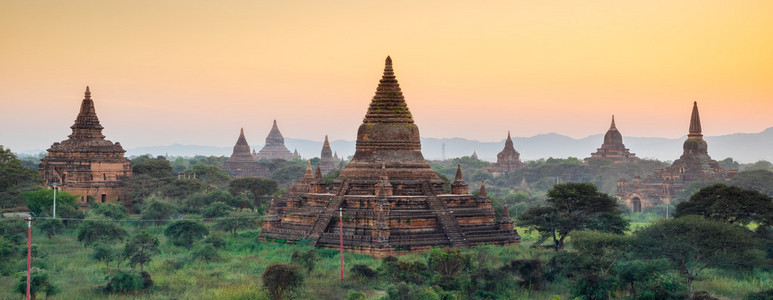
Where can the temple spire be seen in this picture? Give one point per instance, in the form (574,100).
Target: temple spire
(509,141)
(242,140)
(87,94)
(482,193)
(318,173)
(695,122)
(459,173)
(613,123)
(309,174)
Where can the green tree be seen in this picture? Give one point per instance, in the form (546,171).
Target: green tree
(570,207)
(51,226)
(204,252)
(140,249)
(125,281)
(209,174)
(158,211)
(105,253)
(92,232)
(40,283)
(729,204)
(236,222)
(112,210)
(758,180)
(692,244)
(14,178)
(179,189)
(217,210)
(156,168)
(185,232)
(281,279)
(448,261)
(255,189)
(41,202)
(305,259)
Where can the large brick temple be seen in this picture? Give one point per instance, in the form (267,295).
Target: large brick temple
(275,146)
(86,164)
(612,148)
(391,200)
(327,162)
(508,160)
(694,165)
(241,163)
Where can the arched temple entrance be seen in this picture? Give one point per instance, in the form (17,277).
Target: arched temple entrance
(636,202)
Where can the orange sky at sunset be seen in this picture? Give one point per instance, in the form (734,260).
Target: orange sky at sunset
(193,72)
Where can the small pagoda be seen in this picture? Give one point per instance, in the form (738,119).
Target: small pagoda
(612,148)
(392,202)
(508,160)
(327,162)
(86,164)
(241,163)
(275,146)
(694,165)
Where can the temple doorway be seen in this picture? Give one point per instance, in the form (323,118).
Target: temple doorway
(636,204)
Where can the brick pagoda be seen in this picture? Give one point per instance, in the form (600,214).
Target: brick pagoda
(241,163)
(86,164)
(327,162)
(392,201)
(275,146)
(695,164)
(612,148)
(508,160)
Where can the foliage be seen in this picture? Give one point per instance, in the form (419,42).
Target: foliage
(209,174)
(729,204)
(126,281)
(305,259)
(490,284)
(217,209)
(529,271)
(158,211)
(762,295)
(758,180)
(363,271)
(40,283)
(355,295)
(574,206)
(182,188)
(41,202)
(692,244)
(112,210)
(14,178)
(185,232)
(204,252)
(105,253)
(281,279)
(394,270)
(284,176)
(140,249)
(92,232)
(51,226)
(448,262)
(156,168)
(236,222)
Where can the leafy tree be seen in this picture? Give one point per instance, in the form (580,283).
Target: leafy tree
(209,174)
(51,227)
(693,244)
(236,222)
(158,211)
(281,279)
(125,281)
(729,164)
(729,204)
(92,232)
(574,206)
(185,232)
(758,180)
(14,178)
(205,252)
(217,209)
(156,168)
(598,252)
(255,189)
(286,175)
(112,210)
(105,253)
(140,249)
(40,283)
(182,188)
(306,259)
(41,202)
(448,262)
(529,271)
(760,165)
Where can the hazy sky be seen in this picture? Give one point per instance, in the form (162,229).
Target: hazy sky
(193,72)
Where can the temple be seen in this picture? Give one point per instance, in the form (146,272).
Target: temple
(391,201)
(275,146)
(474,155)
(241,163)
(694,165)
(612,148)
(508,160)
(327,162)
(86,164)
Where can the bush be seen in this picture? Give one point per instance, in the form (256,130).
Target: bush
(281,279)
(113,210)
(530,272)
(126,281)
(217,210)
(185,232)
(158,211)
(363,271)
(355,295)
(305,259)
(763,295)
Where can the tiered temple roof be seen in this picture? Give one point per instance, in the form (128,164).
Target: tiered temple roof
(242,163)
(391,200)
(612,148)
(326,161)
(86,164)
(275,146)
(695,164)
(508,160)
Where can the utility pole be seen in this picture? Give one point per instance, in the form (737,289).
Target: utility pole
(55,188)
(29,254)
(341,235)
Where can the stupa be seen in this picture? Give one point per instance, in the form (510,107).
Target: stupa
(241,163)
(695,164)
(327,162)
(612,148)
(275,146)
(86,164)
(508,160)
(391,200)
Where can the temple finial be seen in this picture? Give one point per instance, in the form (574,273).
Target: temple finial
(613,123)
(87,94)
(318,173)
(309,173)
(482,193)
(695,122)
(388,61)
(459,173)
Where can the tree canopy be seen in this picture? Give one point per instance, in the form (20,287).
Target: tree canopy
(140,249)
(729,204)
(185,232)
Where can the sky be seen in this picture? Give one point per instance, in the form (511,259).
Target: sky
(194,72)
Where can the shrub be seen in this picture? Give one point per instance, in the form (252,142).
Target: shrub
(363,271)
(125,281)
(530,272)
(281,279)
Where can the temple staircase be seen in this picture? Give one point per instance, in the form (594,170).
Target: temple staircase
(323,220)
(445,219)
